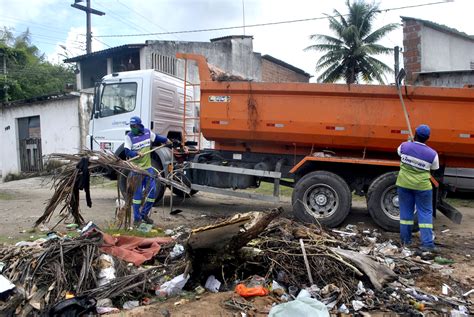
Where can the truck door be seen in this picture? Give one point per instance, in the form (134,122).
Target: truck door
(118,101)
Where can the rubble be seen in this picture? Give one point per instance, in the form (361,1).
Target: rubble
(269,265)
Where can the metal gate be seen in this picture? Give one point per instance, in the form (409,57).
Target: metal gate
(31,158)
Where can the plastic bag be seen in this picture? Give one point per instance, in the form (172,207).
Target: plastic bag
(212,284)
(301,307)
(245,291)
(172,287)
(107,270)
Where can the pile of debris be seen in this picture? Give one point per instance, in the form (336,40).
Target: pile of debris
(269,265)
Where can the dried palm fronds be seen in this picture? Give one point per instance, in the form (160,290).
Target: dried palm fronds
(44,274)
(283,254)
(64,182)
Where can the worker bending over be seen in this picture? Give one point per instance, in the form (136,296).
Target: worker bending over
(137,143)
(415,189)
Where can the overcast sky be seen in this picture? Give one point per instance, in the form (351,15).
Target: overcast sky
(55,22)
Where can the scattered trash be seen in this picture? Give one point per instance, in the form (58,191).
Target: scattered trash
(131,304)
(468,293)
(173,287)
(107,270)
(245,291)
(303,293)
(386,248)
(181,302)
(5,285)
(144,227)
(443,261)
(301,307)
(357,305)
(72,226)
(360,288)
(212,284)
(199,290)
(343,309)
(177,251)
(445,289)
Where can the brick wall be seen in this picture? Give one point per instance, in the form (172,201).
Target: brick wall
(411,49)
(272,72)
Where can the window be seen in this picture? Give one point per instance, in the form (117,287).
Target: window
(117,99)
(165,64)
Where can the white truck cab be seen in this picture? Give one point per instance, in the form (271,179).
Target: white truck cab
(157,98)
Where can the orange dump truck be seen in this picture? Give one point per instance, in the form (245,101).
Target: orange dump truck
(326,141)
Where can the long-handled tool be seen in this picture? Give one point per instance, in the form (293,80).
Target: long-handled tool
(399,79)
(175,211)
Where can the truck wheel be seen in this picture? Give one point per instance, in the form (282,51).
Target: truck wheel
(382,202)
(187,182)
(160,188)
(321,197)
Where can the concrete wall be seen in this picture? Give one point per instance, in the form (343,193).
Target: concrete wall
(233,55)
(91,71)
(412,49)
(60,129)
(426,49)
(444,52)
(450,79)
(272,72)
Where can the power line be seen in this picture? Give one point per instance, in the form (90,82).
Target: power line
(144,17)
(96,39)
(123,20)
(261,24)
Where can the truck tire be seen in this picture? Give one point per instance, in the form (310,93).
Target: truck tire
(382,202)
(321,197)
(160,188)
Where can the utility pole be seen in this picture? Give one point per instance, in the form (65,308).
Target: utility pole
(88,10)
(396,50)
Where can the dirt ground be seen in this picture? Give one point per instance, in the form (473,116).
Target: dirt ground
(23,201)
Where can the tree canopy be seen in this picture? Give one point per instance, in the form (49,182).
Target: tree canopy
(349,54)
(28,73)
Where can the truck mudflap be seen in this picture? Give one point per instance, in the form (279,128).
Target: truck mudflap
(449,211)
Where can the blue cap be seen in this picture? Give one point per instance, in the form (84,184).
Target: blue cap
(423,131)
(135,120)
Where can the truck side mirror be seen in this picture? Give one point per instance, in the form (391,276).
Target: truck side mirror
(96,115)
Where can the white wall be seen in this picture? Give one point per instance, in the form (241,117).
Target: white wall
(60,129)
(443,52)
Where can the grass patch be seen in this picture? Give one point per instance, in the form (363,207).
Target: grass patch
(135,233)
(267,189)
(102,182)
(6,196)
(358,198)
(457,202)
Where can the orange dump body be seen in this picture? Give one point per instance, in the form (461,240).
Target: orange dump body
(363,120)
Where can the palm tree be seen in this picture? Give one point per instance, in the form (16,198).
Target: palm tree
(348,55)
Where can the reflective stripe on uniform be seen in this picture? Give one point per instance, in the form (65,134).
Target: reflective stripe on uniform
(425,225)
(407,222)
(151,200)
(136,201)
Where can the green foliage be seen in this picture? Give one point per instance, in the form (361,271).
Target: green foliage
(349,54)
(29,74)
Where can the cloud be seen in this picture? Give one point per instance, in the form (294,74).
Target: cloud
(74,45)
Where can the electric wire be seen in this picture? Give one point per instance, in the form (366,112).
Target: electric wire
(261,24)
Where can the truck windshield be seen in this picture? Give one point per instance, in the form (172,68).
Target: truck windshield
(117,99)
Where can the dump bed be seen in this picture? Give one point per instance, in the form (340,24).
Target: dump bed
(361,119)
